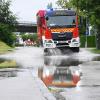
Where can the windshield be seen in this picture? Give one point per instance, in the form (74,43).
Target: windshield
(67,21)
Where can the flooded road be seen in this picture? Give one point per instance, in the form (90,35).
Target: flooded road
(73,76)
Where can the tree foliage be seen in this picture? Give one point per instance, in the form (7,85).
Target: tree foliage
(88,9)
(49,6)
(64,3)
(32,37)
(7,23)
(6,34)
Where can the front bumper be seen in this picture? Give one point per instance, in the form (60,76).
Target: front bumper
(58,44)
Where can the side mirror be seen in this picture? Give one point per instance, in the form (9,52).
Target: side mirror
(79,26)
(80,21)
(47,18)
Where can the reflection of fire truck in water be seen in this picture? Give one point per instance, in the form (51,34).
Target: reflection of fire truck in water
(58,29)
(59,76)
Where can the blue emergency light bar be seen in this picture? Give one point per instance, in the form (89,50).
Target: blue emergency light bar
(61,13)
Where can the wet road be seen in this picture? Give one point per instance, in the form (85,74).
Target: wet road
(84,64)
(88,87)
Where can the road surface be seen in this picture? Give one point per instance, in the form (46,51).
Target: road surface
(88,64)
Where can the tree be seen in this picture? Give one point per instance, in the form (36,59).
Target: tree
(49,6)
(32,37)
(64,3)
(89,9)
(7,23)
(74,5)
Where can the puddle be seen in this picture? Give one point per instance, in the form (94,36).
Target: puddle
(62,61)
(90,86)
(8,73)
(8,68)
(60,72)
(97,58)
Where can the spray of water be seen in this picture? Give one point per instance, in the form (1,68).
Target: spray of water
(57,52)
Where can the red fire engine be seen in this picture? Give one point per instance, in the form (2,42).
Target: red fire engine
(58,29)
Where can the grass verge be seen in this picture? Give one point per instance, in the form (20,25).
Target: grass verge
(4,48)
(8,64)
(94,50)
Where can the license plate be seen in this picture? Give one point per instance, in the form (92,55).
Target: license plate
(62,42)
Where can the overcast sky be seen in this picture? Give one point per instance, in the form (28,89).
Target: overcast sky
(26,9)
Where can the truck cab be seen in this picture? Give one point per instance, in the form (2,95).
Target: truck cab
(58,29)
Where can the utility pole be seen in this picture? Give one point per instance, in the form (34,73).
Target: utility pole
(87,24)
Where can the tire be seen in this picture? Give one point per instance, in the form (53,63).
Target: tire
(76,49)
(45,50)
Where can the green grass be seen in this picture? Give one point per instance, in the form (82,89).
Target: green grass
(94,50)
(8,64)
(4,48)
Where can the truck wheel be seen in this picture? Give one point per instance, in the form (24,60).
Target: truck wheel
(45,50)
(76,49)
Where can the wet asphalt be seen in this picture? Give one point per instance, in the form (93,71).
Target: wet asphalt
(32,58)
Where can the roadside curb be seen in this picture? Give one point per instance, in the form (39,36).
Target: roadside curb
(44,90)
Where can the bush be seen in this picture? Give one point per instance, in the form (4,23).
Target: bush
(6,34)
(91,42)
(7,22)
(19,45)
(32,37)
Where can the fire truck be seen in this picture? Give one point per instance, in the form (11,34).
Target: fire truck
(58,28)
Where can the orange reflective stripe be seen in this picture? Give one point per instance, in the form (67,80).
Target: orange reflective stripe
(63,30)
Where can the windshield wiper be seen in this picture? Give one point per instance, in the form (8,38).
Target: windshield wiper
(67,26)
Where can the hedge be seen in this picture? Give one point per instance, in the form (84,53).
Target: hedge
(91,41)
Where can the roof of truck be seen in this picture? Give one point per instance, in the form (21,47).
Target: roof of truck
(56,12)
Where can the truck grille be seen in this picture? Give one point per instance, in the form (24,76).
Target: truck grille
(62,36)
(62,44)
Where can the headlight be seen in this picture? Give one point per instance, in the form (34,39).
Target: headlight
(77,73)
(48,41)
(75,39)
(46,73)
